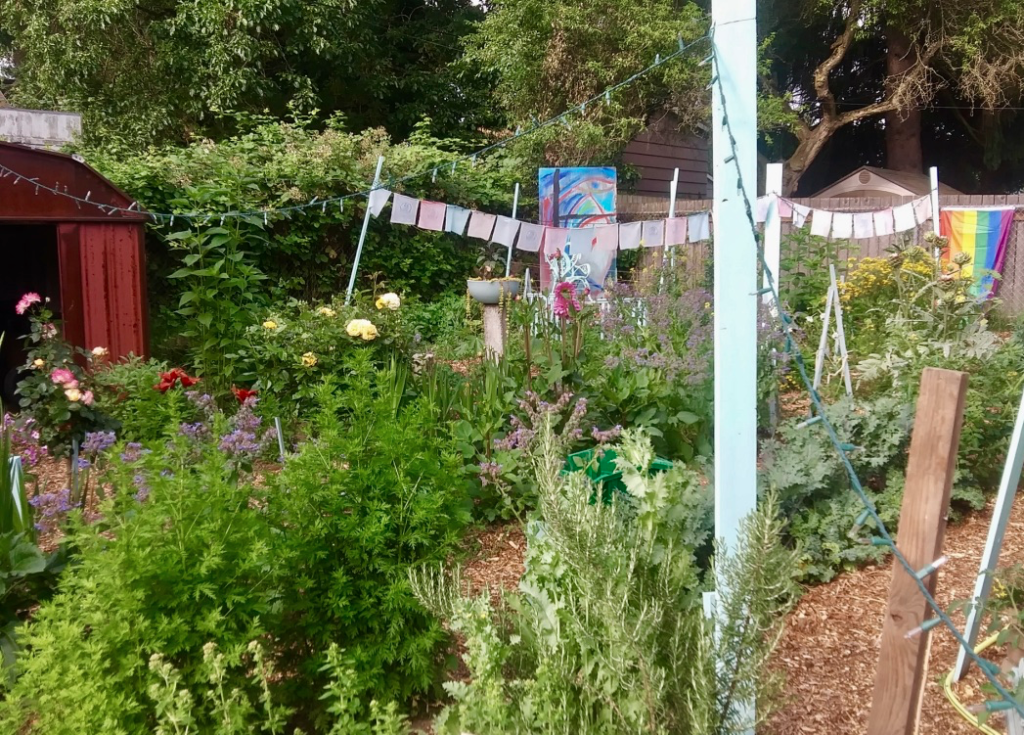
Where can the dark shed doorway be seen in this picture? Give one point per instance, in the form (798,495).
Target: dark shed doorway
(28,254)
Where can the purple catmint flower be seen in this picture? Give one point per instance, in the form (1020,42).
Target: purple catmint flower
(133,452)
(490,473)
(141,488)
(195,431)
(51,508)
(97,442)
(603,437)
(83,463)
(203,401)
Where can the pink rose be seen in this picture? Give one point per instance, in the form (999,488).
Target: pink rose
(62,376)
(26,301)
(87,398)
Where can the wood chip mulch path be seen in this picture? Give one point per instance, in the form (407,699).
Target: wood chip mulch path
(830,649)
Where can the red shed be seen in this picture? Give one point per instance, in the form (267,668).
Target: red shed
(91,265)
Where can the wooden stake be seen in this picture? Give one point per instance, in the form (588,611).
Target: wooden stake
(902,666)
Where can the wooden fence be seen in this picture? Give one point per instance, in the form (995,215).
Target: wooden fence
(1011,289)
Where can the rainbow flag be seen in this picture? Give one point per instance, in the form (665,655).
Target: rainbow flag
(982,234)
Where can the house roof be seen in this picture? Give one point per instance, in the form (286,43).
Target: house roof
(871,180)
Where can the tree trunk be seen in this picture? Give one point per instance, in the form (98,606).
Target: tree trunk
(902,127)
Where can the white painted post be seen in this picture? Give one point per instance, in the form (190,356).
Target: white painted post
(994,543)
(819,359)
(840,330)
(734,116)
(673,191)
(515,208)
(773,227)
(362,234)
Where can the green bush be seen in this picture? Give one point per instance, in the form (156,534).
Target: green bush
(169,573)
(367,497)
(607,633)
(129,397)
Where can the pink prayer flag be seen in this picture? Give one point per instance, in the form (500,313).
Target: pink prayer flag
(675,231)
(481,225)
(432,215)
(554,240)
(607,238)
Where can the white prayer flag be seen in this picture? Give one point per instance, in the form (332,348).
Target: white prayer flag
(884,223)
(581,241)
(530,237)
(455,219)
(481,225)
(821,223)
(554,240)
(800,215)
(403,211)
(923,209)
(863,225)
(842,225)
(378,198)
(761,213)
(653,233)
(607,237)
(904,217)
(675,231)
(505,229)
(699,227)
(629,236)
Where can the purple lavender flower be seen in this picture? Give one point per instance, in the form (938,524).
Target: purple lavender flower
(83,463)
(203,401)
(97,442)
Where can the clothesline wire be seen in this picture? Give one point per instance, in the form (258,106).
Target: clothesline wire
(561,118)
(884,536)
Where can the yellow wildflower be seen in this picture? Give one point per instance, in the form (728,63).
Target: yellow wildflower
(270,325)
(707,305)
(309,360)
(389,301)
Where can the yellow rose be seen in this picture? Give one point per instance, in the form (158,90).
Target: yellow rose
(270,325)
(389,301)
(73,394)
(326,311)
(38,362)
(368,332)
(354,327)
(309,359)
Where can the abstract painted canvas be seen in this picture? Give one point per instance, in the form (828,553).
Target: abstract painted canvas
(579,198)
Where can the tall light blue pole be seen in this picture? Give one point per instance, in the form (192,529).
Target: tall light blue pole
(734,108)
(362,234)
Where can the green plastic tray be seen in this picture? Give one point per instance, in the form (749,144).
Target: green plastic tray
(603,472)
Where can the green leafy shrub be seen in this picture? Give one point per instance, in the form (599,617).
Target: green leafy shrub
(374,491)
(128,395)
(607,633)
(181,559)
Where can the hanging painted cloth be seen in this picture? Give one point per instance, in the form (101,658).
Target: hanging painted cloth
(432,215)
(530,237)
(378,198)
(983,234)
(403,211)
(455,219)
